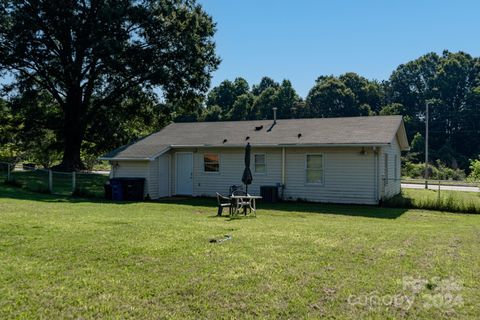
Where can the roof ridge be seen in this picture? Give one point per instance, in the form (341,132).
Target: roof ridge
(291,119)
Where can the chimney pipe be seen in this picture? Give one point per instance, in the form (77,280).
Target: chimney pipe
(275,115)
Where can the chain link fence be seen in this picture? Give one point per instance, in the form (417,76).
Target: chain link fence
(4,171)
(85,184)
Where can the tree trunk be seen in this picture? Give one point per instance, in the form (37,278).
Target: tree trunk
(73,136)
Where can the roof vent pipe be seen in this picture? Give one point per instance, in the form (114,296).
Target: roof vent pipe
(274,115)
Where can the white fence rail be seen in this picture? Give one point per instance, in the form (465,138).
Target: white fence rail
(49,181)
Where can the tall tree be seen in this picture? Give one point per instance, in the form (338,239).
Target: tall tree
(330,97)
(91,54)
(449,83)
(226,93)
(412,85)
(287,100)
(456,79)
(367,93)
(264,104)
(346,95)
(242,108)
(36,123)
(264,84)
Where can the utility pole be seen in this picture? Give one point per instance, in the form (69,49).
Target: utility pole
(426,145)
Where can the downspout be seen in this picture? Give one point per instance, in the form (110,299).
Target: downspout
(375,170)
(283,172)
(170,182)
(148,180)
(112,170)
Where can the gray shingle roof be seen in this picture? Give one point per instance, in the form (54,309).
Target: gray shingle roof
(376,130)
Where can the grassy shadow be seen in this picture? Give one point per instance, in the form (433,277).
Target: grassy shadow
(307,207)
(18,193)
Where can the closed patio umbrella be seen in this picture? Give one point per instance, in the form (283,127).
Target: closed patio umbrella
(247,174)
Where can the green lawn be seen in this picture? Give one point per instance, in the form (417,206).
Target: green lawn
(72,258)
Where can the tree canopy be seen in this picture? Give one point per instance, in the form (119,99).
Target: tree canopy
(89,76)
(449,83)
(91,57)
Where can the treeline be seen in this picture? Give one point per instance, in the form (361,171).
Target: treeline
(449,83)
(30,124)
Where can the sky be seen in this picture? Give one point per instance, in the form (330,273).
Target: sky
(300,40)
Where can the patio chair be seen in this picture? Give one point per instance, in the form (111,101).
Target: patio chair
(223,202)
(235,188)
(238,192)
(241,203)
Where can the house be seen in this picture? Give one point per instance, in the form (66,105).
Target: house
(339,160)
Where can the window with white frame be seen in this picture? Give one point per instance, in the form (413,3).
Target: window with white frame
(260,163)
(211,162)
(314,168)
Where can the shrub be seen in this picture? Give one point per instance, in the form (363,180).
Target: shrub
(475,170)
(442,172)
(413,170)
(438,171)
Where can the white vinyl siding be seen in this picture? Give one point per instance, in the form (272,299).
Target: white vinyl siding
(348,176)
(232,161)
(314,168)
(260,163)
(395,170)
(391,168)
(163,175)
(385,166)
(138,169)
(156,174)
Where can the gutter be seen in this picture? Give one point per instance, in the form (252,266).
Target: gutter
(124,159)
(375,175)
(284,145)
(136,159)
(296,145)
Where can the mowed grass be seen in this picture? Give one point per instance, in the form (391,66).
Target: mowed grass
(74,258)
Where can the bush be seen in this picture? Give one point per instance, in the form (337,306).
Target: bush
(442,172)
(438,171)
(475,170)
(413,170)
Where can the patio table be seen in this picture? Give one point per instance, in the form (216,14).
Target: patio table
(245,201)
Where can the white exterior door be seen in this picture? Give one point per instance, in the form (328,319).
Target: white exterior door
(184,173)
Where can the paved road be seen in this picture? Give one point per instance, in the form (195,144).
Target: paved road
(435,187)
